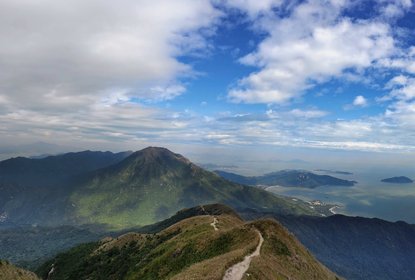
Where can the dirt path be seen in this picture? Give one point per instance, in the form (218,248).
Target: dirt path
(213,224)
(215,220)
(237,271)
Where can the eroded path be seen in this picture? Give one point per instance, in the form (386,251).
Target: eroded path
(215,220)
(237,271)
(213,224)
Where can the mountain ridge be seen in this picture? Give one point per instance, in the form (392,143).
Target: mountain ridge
(195,247)
(154,183)
(287,178)
(122,190)
(351,246)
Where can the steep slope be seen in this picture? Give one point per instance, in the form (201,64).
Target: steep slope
(154,183)
(29,246)
(355,247)
(11,272)
(287,178)
(35,190)
(193,248)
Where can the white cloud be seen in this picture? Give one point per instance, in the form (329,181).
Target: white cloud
(403,114)
(360,101)
(394,9)
(402,88)
(308,114)
(311,45)
(70,73)
(85,49)
(404,60)
(253,8)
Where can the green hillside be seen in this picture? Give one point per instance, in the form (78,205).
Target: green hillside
(154,183)
(198,247)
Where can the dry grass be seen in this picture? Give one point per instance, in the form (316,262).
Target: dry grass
(10,272)
(193,250)
(284,257)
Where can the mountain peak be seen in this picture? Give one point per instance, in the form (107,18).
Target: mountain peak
(153,163)
(158,153)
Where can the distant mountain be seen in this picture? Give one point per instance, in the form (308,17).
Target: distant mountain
(119,190)
(32,149)
(154,183)
(212,166)
(36,190)
(11,272)
(236,178)
(354,247)
(287,178)
(52,170)
(398,180)
(335,171)
(195,247)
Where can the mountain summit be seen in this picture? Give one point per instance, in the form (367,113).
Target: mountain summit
(154,183)
(151,162)
(120,190)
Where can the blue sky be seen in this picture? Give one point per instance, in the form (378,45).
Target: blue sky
(333,75)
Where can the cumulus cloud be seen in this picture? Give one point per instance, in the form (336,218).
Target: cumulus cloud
(402,94)
(54,51)
(360,101)
(311,45)
(394,9)
(402,113)
(72,72)
(401,87)
(253,8)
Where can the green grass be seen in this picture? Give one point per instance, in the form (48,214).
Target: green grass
(156,256)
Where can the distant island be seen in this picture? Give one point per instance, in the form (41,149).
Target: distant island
(287,178)
(398,180)
(335,171)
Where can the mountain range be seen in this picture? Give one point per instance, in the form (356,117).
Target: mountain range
(119,190)
(287,178)
(51,204)
(354,247)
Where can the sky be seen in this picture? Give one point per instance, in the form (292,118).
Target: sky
(326,79)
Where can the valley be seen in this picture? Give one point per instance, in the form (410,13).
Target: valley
(140,196)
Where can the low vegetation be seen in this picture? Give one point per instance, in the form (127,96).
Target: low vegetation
(188,249)
(11,272)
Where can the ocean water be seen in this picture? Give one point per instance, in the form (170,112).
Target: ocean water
(368,198)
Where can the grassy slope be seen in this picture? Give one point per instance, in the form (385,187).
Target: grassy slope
(190,249)
(10,272)
(154,256)
(283,257)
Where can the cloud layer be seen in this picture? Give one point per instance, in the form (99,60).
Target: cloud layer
(99,73)
(312,44)
(67,53)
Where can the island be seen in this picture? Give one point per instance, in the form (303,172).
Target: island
(398,180)
(287,178)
